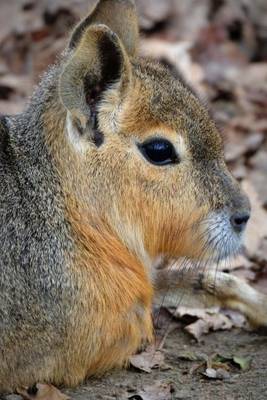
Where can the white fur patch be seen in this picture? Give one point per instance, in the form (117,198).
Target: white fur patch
(180,147)
(79,142)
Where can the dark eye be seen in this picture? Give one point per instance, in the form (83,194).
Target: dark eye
(159,152)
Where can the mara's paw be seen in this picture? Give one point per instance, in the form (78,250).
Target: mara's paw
(235,293)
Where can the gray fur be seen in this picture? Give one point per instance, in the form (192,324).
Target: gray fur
(34,236)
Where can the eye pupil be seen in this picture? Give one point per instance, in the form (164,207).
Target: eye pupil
(159,152)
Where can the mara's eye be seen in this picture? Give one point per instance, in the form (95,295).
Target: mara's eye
(159,152)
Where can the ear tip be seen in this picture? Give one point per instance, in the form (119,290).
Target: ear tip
(101,30)
(117,16)
(126,2)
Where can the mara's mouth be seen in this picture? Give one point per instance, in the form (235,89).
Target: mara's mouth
(221,235)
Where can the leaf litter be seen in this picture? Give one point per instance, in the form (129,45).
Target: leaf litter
(149,359)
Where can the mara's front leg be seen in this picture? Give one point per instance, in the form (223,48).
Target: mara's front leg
(217,288)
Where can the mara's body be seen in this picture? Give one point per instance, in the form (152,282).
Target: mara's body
(113,164)
(74,301)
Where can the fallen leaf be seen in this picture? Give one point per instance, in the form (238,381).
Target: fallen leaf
(209,319)
(42,391)
(210,323)
(148,360)
(158,391)
(244,363)
(219,373)
(198,328)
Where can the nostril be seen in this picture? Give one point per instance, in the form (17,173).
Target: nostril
(239,221)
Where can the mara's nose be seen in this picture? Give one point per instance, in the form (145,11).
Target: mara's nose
(239,220)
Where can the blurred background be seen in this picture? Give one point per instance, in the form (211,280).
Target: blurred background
(220,46)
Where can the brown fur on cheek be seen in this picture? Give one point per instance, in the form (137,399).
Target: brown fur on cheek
(171,230)
(176,235)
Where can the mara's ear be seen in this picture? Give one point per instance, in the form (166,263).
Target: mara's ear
(119,15)
(98,63)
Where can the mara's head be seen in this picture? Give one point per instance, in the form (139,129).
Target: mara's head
(150,158)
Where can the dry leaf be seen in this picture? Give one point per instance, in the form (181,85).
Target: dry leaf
(44,392)
(148,360)
(209,319)
(244,363)
(210,323)
(219,373)
(158,391)
(198,328)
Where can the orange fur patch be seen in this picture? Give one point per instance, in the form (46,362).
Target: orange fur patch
(116,286)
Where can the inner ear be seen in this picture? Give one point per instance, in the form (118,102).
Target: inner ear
(111,69)
(98,64)
(81,137)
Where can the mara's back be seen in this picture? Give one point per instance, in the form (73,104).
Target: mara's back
(34,277)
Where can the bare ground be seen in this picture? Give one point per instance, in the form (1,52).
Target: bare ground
(185,380)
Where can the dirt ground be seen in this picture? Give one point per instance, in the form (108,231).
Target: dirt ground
(180,381)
